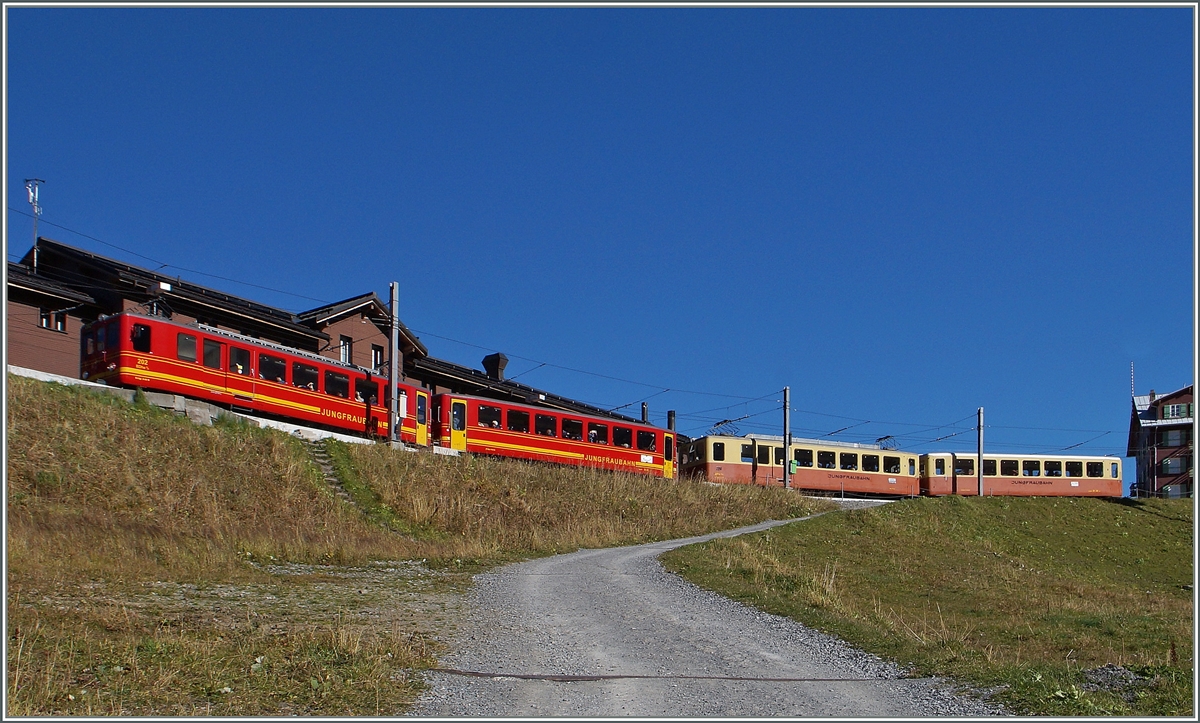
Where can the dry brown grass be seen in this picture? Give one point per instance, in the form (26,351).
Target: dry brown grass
(110,504)
(480,508)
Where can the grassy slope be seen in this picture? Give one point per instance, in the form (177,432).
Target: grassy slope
(1023,593)
(140,546)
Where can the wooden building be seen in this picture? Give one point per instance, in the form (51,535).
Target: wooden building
(1161,438)
(57,288)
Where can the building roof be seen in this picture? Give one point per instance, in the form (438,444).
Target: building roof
(22,277)
(1145,414)
(135,281)
(371,306)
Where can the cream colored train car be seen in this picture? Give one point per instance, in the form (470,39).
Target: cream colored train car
(1060,475)
(822,465)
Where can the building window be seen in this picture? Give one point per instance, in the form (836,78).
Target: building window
(346,345)
(53,320)
(1176,411)
(376,356)
(1175,437)
(1175,465)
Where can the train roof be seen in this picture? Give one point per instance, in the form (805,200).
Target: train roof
(479,384)
(801,440)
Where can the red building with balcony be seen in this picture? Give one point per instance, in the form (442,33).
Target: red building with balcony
(1161,438)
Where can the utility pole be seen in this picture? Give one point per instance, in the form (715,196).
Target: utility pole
(787,438)
(31,185)
(393,371)
(979,462)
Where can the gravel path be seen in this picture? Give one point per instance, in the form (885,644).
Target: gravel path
(610,633)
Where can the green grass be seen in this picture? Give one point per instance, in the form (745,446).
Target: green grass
(1018,595)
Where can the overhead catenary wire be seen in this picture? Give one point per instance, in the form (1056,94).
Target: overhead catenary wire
(911,437)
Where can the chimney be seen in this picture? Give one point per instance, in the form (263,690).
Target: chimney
(494,365)
(1152,395)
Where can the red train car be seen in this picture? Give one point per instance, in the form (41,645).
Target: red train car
(488,426)
(1024,475)
(232,370)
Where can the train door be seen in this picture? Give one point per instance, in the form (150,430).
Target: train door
(401,413)
(668,456)
(239,377)
(214,360)
(422,419)
(458,424)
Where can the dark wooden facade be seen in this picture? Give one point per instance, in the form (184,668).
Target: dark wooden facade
(1161,437)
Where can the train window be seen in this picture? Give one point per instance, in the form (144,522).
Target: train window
(747,452)
(718,451)
(1095,469)
(1031,468)
(489,416)
(779,456)
(140,336)
(764,454)
(622,437)
(1074,469)
(304,376)
(545,424)
(1009,467)
(337,385)
(964,466)
(365,390)
(100,338)
(849,460)
(572,429)
(518,421)
(939,466)
(422,403)
(1053,468)
(826,460)
(458,416)
(212,354)
(646,441)
(185,347)
(89,343)
(272,368)
(239,360)
(912,466)
(891,465)
(803,457)
(597,433)
(1114,470)
(870,463)
(668,448)
(989,468)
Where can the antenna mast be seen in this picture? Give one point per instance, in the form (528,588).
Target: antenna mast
(31,185)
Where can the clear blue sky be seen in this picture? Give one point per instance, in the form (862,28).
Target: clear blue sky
(903,214)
